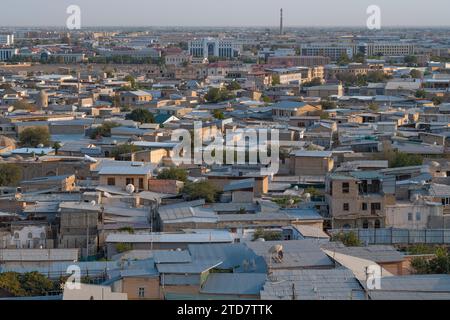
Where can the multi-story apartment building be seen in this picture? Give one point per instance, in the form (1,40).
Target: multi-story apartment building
(387,49)
(219,47)
(6,39)
(6,54)
(293,61)
(358,199)
(333,51)
(287,75)
(336,50)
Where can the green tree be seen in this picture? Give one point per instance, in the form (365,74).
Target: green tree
(201,190)
(34,136)
(373,107)
(219,115)
(327,104)
(141,115)
(122,149)
(132,81)
(411,60)
(267,235)
(10,282)
(35,284)
(416,74)
(401,159)
(103,130)
(437,100)
(173,173)
(130,230)
(359,58)
(439,264)
(10,174)
(56,146)
(377,76)
(313,82)
(422,94)
(349,239)
(343,59)
(215,95)
(123,247)
(234,85)
(275,79)
(266,99)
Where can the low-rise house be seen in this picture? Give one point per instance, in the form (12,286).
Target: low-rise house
(123,173)
(311,163)
(117,242)
(56,183)
(358,199)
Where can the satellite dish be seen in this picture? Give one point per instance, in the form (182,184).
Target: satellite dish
(40,145)
(93,203)
(130,188)
(296,188)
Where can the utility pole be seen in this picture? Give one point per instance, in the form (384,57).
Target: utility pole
(87,235)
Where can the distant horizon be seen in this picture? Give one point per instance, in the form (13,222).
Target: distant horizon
(233,13)
(390,27)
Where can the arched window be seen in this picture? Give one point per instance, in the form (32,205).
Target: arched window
(365,224)
(30,235)
(377,224)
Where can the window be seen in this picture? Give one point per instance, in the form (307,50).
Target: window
(141,292)
(377,224)
(345,187)
(410,216)
(346,207)
(141,183)
(30,235)
(375,206)
(364,206)
(111,181)
(418,216)
(365,224)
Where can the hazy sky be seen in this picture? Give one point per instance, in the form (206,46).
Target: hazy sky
(225,12)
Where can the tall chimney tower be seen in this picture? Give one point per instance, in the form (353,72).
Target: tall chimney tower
(281,21)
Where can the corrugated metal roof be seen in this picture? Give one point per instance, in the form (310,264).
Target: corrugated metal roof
(377,253)
(234,283)
(414,287)
(199,236)
(186,268)
(331,284)
(296,254)
(165,256)
(38,255)
(234,256)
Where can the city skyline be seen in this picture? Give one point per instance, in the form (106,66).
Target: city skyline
(233,13)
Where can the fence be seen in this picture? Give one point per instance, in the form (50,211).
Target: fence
(399,236)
